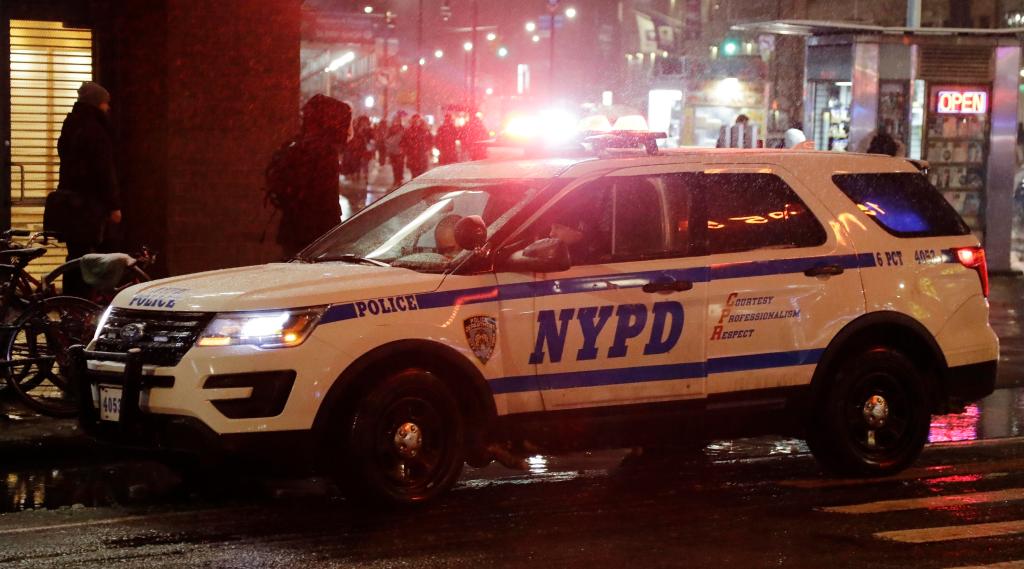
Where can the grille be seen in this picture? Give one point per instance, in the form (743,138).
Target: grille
(967,63)
(163,337)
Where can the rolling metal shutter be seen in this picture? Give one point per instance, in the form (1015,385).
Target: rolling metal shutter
(48,63)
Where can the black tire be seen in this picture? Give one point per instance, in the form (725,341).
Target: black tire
(36,352)
(874,418)
(403,442)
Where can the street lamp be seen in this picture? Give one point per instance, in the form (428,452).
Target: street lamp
(502,51)
(492,36)
(531,26)
(367,9)
(468,46)
(438,53)
(570,13)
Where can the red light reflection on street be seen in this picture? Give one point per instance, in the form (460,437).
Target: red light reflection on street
(956,426)
(961,479)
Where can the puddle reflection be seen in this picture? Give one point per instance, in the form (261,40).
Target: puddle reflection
(997,416)
(87,486)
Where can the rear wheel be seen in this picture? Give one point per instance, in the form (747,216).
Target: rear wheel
(404,440)
(874,418)
(37,352)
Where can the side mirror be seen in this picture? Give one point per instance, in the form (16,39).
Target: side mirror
(549,255)
(471,232)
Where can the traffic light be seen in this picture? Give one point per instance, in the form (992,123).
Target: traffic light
(729,47)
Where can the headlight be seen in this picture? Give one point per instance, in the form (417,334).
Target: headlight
(102,323)
(265,329)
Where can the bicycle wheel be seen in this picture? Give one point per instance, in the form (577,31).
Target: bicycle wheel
(37,352)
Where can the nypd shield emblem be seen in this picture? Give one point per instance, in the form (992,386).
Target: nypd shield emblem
(482,335)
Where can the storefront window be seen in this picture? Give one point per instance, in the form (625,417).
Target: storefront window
(830,127)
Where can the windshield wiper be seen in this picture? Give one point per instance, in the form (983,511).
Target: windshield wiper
(349,258)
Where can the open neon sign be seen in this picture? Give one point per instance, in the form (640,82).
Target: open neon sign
(962,102)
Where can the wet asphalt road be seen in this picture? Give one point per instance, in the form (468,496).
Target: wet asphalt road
(748,503)
(769,508)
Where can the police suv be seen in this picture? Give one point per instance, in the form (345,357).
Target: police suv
(563,303)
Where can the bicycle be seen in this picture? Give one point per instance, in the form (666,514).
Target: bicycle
(127,270)
(40,336)
(35,345)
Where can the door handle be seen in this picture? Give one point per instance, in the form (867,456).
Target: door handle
(824,271)
(668,286)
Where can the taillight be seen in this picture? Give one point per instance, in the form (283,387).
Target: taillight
(974,258)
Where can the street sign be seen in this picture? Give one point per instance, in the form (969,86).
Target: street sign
(351,28)
(544,22)
(386,76)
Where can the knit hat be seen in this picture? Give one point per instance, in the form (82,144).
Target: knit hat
(93,94)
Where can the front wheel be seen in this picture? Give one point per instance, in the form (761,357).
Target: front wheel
(36,354)
(874,418)
(404,441)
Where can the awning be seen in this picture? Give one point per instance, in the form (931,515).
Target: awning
(823,27)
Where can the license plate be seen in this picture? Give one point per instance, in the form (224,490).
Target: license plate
(110,403)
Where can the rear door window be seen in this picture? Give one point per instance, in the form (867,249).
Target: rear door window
(904,204)
(748,211)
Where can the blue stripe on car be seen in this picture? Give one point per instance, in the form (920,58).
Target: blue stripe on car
(642,374)
(442,299)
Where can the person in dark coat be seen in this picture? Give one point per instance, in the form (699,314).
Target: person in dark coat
(417,144)
(313,208)
(394,147)
(447,135)
(86,153)
(473,136)
(883,143)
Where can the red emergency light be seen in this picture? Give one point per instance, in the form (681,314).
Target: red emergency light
(962,102)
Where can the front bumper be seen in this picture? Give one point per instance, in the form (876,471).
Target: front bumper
(167,432)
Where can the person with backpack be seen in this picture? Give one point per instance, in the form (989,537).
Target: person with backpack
(396,153)
(302,178)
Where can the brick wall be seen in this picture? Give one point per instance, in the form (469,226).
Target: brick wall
(233,87)
(208,90)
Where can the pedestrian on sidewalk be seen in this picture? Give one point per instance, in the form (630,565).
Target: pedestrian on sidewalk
(473,136)
(417,144)
(395,150)
(445,139)
(86,151)
(380,135)
(357,158)
(306,179)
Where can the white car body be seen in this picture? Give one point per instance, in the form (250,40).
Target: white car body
(752,323)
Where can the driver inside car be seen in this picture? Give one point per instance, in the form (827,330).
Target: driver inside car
(444,236)
(582,220)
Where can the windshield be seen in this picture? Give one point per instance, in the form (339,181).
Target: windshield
(415,227)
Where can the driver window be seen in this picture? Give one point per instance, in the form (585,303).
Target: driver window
(583,221)
(619,219)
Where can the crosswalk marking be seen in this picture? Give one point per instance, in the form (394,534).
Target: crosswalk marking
(931,502)
(950,533)
(1005,565)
